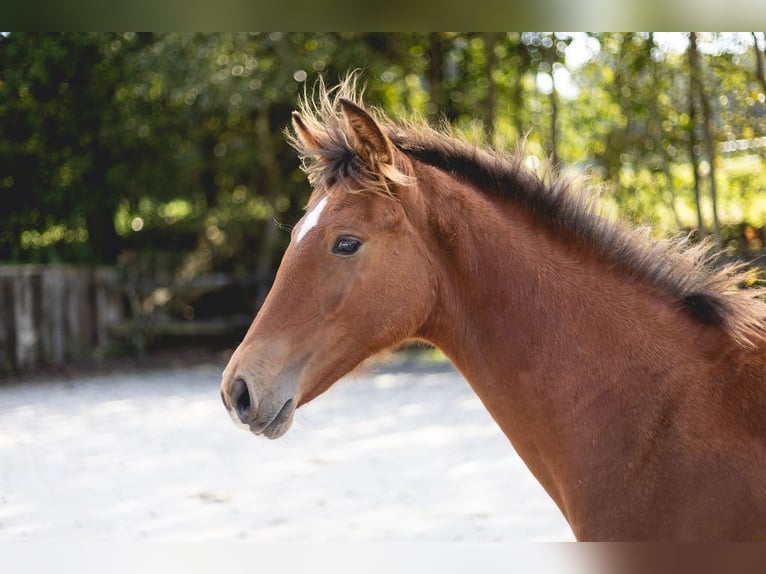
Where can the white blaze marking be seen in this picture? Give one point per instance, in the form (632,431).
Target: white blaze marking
(311,220)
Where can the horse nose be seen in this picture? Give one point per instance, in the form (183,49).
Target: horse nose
(240,400)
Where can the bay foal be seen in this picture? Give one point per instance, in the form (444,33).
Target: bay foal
(629,374)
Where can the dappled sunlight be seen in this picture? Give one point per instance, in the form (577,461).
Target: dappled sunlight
(397,455)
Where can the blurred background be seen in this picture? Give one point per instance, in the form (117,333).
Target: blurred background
(146,187)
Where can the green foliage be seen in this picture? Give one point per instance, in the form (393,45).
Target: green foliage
(138,143)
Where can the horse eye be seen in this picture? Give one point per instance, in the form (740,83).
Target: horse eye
(346,245)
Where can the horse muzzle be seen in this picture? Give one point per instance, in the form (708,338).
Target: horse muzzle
(271,416)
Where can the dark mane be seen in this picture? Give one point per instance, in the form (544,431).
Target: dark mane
(692,274)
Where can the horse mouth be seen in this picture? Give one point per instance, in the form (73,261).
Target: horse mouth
(280,424)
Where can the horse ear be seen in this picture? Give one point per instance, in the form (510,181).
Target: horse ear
(368,138)
(303,133)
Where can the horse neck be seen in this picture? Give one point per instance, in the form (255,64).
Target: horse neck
(558,344)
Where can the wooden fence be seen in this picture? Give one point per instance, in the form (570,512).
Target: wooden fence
(55,313)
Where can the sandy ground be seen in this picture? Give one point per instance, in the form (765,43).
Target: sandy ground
(403,453)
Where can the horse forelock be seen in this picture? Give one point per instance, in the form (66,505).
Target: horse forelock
(333,162)
(692,274)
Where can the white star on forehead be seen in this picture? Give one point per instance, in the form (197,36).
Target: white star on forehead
(311,220)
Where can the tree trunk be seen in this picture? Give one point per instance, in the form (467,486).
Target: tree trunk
(693,136)
(209,170)
(436,76)
(490,102)
(553,151)
(554,124)
(707,130)
(710,147)
(265,264)
(759,69)
(517,90)
(656,131)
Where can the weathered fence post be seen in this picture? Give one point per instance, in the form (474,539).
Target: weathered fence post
(108,300)
(6,327)
(24,319)
(52,327)
(53,314)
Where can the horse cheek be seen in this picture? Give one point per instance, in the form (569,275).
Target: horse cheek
(332,305)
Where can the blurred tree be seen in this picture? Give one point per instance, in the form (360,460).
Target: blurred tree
(55,147)
(169,147)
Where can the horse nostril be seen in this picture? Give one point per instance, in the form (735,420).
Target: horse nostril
(240,398)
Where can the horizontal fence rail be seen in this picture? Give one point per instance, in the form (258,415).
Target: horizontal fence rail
(55,313)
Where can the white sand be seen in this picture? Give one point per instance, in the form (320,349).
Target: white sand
(402,454)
